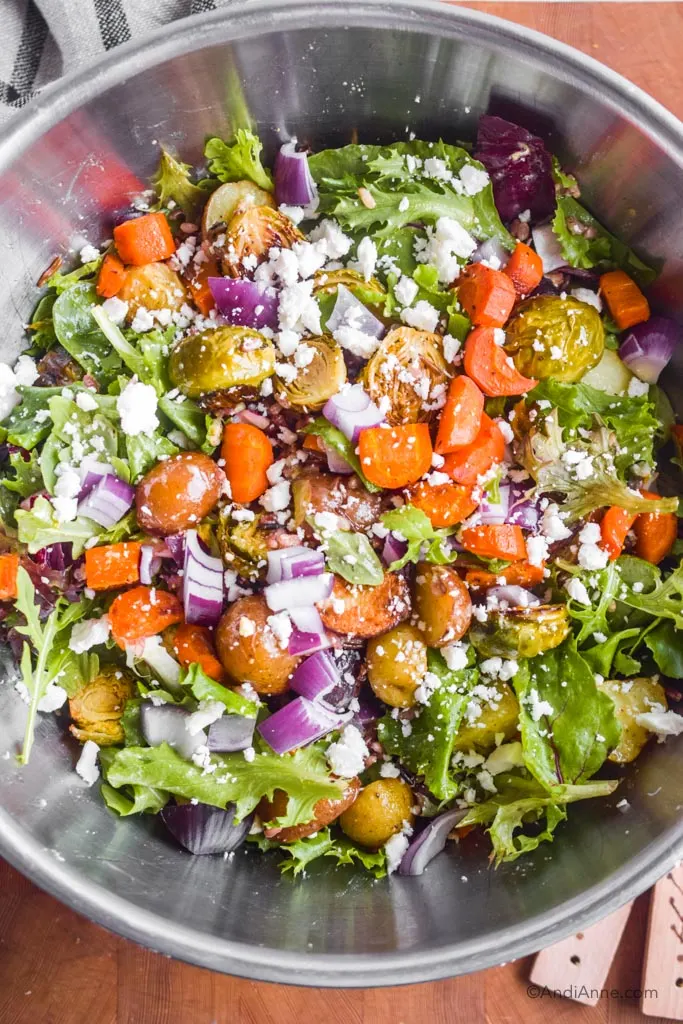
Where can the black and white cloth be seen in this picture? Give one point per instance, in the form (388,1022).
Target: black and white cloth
(44,39)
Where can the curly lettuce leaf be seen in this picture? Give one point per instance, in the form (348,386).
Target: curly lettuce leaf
(172,183)
(660,597)
(238,160)
(86,273)
(598,248)
(204,688)
(74,429)
(304,776)
(665,643)
(144,451)
(26,476)
(39,527)
(325,843)
(29,423)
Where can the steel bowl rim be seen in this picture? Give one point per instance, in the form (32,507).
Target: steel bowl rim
(43,866)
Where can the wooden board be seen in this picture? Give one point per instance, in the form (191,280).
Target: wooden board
(58,968)
(663,973)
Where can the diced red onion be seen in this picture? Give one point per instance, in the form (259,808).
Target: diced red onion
(394,549)
(495,513)
(91,472)
(492,252)
(166,723)
(349,311)
(335,462)
(429,842)
(202,583)
(548,247)
(298,593)
(294,184)
(147,564)
(175,543)
(307,620)
(315,677)
(108,501)
(205,830)
(513,596)
(522,510)
(307,643)
(230,733)
(648,347)
(352,410)
(299,723)
(254,418)
(244,303)
(293,563)
(369,709)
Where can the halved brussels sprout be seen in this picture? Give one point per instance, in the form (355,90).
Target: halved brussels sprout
(554,337)
(497,715)
(251,233)
(317,380)
(221,358)
(521,632)
(244,546)
(632,697)
(97,708)
(410,371)
(152,286)
(326,282)
(229,199)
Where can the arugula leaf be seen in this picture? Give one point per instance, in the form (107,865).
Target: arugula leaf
(239,159)
(204,688)
(29,422)
(342,446)
(172,183)
(352,556)
(666,644)
(80,334)
(568,726)
(425,744)
(326,844)
(601,248)
(424,542)
(304,776)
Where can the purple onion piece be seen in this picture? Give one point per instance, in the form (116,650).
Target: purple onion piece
(315,677)
(370,709)
(522,510)
(176,546)
(335,462)
(429,842)
(243,303)
(294,184)
(491,252)
(520,167)
(349,311)
(146,564)
(301,643)
(202,583)
(495,513)
(231,733)
(299,593)
(647,348)
(255,419)
(108,501)
(205,830)
(167,723)
(352,410)
(299,723)
(293,563)
(91,472)
(57,557)
(394,549)
(548,247)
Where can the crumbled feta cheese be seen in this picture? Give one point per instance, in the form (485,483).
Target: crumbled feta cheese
(588,296)
(451,347)
(208,711)
(338,244)
(116,309)
(298,310)
(505,758)
(24,372)
(423,316)
(429,683)
(396,847)
(536,549)
(287,342)
(455,656)
(389,770)
(295,213)
(499,668)
(87,763)
(637,388)
(304,356)
(53,698)
(280,625)
(592,557)
(89,633)
(356,341)
(247,626)
(663,723)
(137,406)
(444,245)
(404,204)
(142,321)
(590,534)
(406,290)
(538,707)
(485,780)
(473,179)
(506,430)
(577,591)
(366,255)
(85,401)
(89,253)
(277,497)
(310,257)
(346,757)
(552,524)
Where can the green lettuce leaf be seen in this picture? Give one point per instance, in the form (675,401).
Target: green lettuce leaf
(27,477)
(326,844)
(39,527)
(352,556)
(666,645)
(342,446)
(424,541)
(76,433)
(204,688)
(81,336)
(602,249)
(29,423)
(425,744)
(188,417)
(86,273)
(238,160)
(172,182)
(143,451)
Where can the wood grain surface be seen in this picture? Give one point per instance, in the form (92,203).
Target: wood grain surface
(58,968)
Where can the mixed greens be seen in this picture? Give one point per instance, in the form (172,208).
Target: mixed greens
(339,503)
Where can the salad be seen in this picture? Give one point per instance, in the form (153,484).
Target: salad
(339,503)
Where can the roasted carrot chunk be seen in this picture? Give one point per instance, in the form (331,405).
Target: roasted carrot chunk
(491,368)
(142,612)
(247,454)
(468,463)
(194,645)
(499,541)
(111,278)
(461,416)
(525,269)
(486,295)
(146,239)
(112,565)
(625,301)
(444,504)
(614,526)
(9,567)
(655,533)
(395,456)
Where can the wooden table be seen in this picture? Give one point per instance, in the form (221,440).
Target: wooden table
(58,968)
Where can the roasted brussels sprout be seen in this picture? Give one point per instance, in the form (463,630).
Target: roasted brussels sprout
(249,650)
(97,708)
(326,282)
(378,812)
(251,233)
(343,495)
(442,604)
(554,337)
(244,546)
(316,380)
(152,286)
(494,716)
(221,358)
(409,370)
(521,632)
(397,662)
(632,697)
(326,811)
(229,199)
(367,611)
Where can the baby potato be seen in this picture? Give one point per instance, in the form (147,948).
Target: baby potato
(326,811)
(152,286)
(178,493)
(228,199)
(366,611)
(632,697)
(442,604)
(397,662)
(498,715)
(378,812)
(249,650)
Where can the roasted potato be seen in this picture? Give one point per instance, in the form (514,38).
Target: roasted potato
(498,715)
(442,604)
(378,812)
(367,611)
(632,697)
(97,708)
(178,493)
(249,650)
(343,495)
(152,286)
(326,811)
(229,199)
(397,662)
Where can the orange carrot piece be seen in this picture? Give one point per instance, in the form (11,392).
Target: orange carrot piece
(444,504)
(468,463)
(112,565)
(499,541)
(461,416)
(247,454)
(142,612)
(313,443)
(194,646)
(198,285)
(112,276)
(486,295)
(520,574)
(9,567)
(491,368)
(395,456)
(625,301)
(655,533)
(146,239)
(525,269)
(614,526)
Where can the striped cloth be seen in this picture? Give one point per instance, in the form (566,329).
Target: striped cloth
(44,39)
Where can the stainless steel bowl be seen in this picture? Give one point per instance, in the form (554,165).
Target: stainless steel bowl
(323,71)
